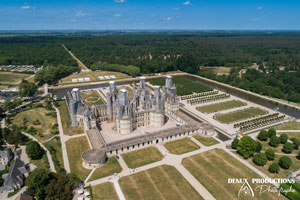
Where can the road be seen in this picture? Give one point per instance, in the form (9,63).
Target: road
(80,64)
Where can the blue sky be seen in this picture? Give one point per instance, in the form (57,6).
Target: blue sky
(151,14)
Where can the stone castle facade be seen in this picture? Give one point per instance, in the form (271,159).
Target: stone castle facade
(144,108)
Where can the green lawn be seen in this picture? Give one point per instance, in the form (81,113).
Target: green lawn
(75,148)
(289,126)
(91,98)
(46,122)
(142,157)
(104,191)
(181,146)
(109,168)
(56,144)
(9,78)
(240,115)
(66,120)
(221,106)
(292,135)
(41,163)
(184,85)
(213,169)
(163,182)
(207,141)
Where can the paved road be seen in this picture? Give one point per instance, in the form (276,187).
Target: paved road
(46,150)
(288,131)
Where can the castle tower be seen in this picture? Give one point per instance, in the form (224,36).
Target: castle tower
(142,82)
(112,88)
(124,118)
(169,83)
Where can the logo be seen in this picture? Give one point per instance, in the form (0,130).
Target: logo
(246,189)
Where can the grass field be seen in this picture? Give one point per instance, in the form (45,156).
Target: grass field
(240,115)
(142,157)
(289,126)
(207,141)
(66,120)
(213,169)
(181,146)
(10,78)
(93,76)
(91,98)
(292,135)
(217,70)
(109,168)
(75,148)
(104,191)
(184,85)
(163,182)
(41,163)
(56,144)
(220,106)
(46,122)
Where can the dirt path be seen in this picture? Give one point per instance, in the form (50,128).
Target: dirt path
(80,64)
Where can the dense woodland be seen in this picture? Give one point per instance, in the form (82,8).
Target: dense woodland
(159,52)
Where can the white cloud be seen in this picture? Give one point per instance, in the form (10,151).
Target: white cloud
(168,18)
(120,1)
(117,15)
(25,6)
(187,3)
(81,14)
(260,8)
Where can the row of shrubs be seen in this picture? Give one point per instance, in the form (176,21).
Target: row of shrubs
(52,151)
(262,123)
(258,119)
(208,99)
(202,94)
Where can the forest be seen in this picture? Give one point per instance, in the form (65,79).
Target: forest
(140,53)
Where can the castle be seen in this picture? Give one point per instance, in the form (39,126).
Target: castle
(141,109)
(124,113)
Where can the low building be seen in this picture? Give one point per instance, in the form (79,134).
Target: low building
(24,197)
(5,158)
(15,179)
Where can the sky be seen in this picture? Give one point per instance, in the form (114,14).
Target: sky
(149,14)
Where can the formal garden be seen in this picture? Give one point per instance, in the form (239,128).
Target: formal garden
(181,146)
(91,97)
(202,94)
(209,98)
(142,157)
(213,168)
(259,122)
(239,115)
(216,107)
(162,182)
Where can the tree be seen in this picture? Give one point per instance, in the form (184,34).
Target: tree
(288,147)
(27,89)
(296,143)
(274,141)
(260,159)
(60,187)
(263,135)
(246,147)
(271,132)
(37,181)
(258,146)
(34,150)
(234,143)
(285,162)
(283,138)
(10,104)
(270,154)
(274,168)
